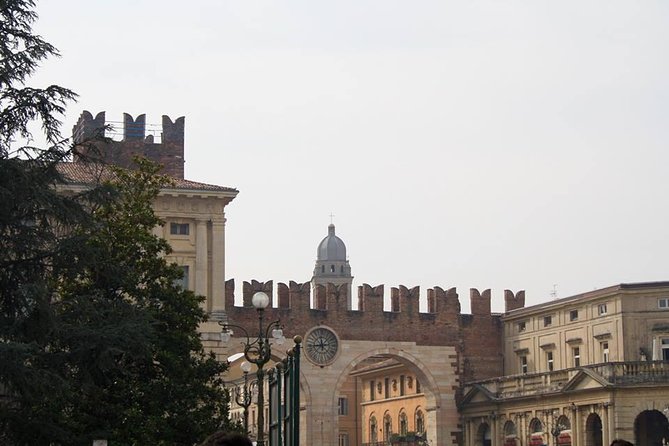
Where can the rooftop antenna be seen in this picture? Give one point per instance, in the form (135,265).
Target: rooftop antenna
(554,291)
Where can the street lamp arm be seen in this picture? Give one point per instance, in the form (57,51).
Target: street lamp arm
(271,326)
(226,327)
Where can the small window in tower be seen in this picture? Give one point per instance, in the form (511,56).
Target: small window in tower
(341,269)
(322,268)
(332,268)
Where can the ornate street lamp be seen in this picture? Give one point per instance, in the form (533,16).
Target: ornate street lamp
(258,351)
(243,396)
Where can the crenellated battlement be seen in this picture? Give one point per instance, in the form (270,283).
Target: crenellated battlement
(95,138)
(514,301)
(300,306)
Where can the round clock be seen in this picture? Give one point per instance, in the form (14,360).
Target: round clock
(321,346)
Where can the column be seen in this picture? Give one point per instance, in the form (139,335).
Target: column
(218,266)
(201,259)
(606,433)
(493,430)
(575,428)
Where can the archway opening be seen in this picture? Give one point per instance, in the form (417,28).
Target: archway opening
(651,428)
(510,434)
(483,437)
(537,432)
(397,391)
(593,430)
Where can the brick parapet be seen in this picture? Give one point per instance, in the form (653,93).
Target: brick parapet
(88,135)
(477,337)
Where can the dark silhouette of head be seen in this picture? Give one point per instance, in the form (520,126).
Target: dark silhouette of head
(222,438)
(621,442)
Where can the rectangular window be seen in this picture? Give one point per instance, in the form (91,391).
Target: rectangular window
(401,385)
(663,303)
(548,321)
(549,361)
(573,315)
(183,282)
(665,349)
(522,326)
(605,352)
(417,386)
(386,388)
(601,309)
(343,439)
(179,228)
(343,405)
(523,364)
(371,390)
(576,355)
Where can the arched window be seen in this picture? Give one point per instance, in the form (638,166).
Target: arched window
(404,423)
(510,429)
(536,426)
(387,427)
(373,430)
(332,268)
(420,421)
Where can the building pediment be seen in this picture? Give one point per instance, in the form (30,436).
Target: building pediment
(586,379)
(478,394)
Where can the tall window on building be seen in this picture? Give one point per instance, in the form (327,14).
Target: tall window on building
(573,315)
(665,349)
(371,390)
(420,421)
(549,360)
(387,427)
(386,388)
(183,282)
(418,386)
(548,321)
(404,424)
(343,405)
(523,364)
(373,430)
(402,385)
(343,439)
(605,351)
(576,356)
(179,228)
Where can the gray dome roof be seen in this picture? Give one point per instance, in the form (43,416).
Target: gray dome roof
(331,247)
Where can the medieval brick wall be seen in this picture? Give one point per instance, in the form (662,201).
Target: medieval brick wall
(89,136)
(477,338)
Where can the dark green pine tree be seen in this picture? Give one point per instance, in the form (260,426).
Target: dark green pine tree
(96,341)
(135,353)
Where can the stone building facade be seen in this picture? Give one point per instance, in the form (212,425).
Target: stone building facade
(578,371)
(193,212)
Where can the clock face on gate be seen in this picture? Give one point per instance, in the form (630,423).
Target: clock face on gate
(321,346)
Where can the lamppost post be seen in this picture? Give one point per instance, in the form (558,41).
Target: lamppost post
(257,350)
(243,398)
(556,430)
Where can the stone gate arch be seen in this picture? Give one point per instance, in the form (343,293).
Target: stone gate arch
(439,402)
(651,427)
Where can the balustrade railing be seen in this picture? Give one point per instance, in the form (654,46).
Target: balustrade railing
(617,373)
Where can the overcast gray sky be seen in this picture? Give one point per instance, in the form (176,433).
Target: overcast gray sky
(486,144)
